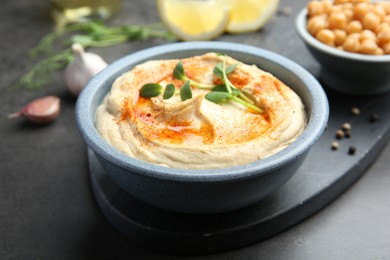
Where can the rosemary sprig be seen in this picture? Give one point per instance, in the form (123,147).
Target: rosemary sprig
(88,34)
(45,46)
(218,94)
(39,74)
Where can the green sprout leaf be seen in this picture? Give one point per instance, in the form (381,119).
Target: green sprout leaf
(231,68)
(218,70)
(178,72)
(185,91)
(218,97)
(220,88)
(151,90)
(169,91)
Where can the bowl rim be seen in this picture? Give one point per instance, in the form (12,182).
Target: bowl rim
(316,125)
(300,24)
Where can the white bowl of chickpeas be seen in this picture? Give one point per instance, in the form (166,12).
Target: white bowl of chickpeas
(351,41)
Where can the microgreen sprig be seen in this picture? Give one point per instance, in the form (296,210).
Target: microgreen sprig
(219,94)
(178,73)
(236,95)
(221,71)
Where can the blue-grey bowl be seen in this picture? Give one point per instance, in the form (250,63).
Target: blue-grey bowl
(214,190)
(347,72)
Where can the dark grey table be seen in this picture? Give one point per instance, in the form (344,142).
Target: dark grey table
(47,210)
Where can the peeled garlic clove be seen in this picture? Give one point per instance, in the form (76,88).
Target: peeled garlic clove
(41,111)
(84,66)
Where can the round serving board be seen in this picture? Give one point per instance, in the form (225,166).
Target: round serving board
(324,175)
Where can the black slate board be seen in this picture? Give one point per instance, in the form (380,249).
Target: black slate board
(324,175)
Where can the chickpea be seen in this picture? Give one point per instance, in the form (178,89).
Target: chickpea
(347,6)
(380,11)
(354,35)
(360,26)
(386,48)
(368,34)
(371,21)
(315,8)
(381,27)
(340,1)
(379,51)
(361,9)
(327,6)
(386,6)
(340,36)
(348,14)
(336,8)
(351,44)
(337,20)
(354,27)
(386,19)
(368,46)
(326,36)
(316,23)
(384,36)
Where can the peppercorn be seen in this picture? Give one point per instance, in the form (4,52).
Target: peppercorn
(339,134)
(352,150)
(374,118)
(346,127)
(355,111)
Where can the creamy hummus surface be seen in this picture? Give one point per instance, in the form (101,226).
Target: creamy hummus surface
(197,133)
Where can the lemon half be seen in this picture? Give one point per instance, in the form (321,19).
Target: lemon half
(249,15)
(192,20)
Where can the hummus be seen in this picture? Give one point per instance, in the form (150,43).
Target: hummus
(197,133)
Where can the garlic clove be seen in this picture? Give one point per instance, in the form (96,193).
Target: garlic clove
(41,111)
(84,66)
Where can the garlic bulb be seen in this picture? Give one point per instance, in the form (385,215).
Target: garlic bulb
(84,66)
(41,110)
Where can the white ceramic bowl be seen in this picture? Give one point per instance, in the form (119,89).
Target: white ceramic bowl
(347,72)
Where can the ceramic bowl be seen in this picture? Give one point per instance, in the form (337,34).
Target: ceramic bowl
(347,72)
(214,190)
